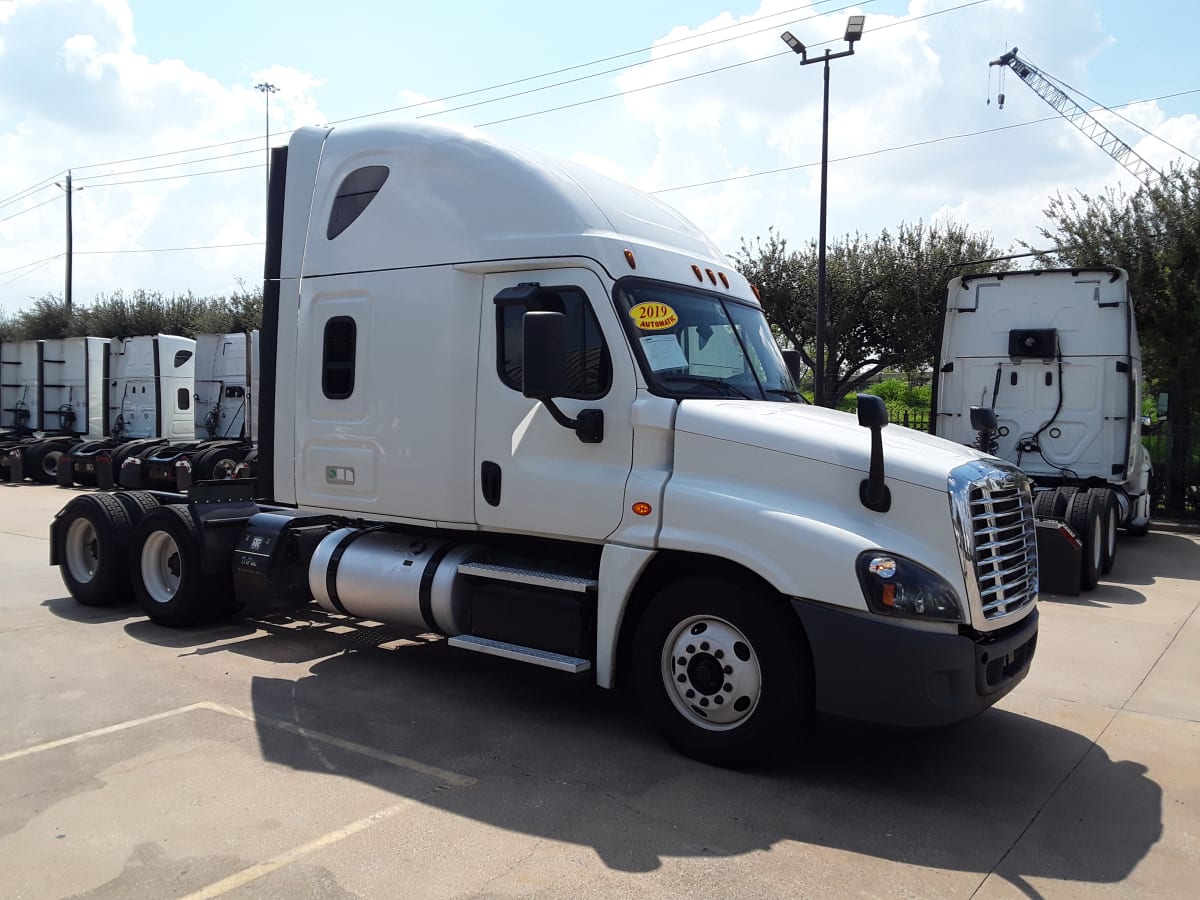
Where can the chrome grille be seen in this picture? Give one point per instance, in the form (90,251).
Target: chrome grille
(1005,548)
(994,526)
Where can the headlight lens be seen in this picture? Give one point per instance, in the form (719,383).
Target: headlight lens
(896,586)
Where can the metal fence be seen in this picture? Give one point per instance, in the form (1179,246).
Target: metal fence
(1175,456)
(1174,453)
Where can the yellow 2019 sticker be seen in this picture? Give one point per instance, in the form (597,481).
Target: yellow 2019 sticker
(654,316)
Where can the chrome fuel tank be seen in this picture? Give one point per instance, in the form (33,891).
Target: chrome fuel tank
(392,577)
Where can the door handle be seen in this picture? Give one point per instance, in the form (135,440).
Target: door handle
(489,482)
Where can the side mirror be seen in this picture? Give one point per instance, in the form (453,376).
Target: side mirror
(791,359)
(544,373)
(545,365)
(872,411)
(984,418)
(873,492)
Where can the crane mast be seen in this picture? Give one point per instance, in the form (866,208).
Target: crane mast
(1062,103)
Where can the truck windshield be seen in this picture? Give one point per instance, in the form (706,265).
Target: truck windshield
(695,344)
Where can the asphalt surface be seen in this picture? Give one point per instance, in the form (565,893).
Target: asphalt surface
(318,757)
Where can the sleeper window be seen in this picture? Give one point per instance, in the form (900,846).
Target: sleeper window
(337,358)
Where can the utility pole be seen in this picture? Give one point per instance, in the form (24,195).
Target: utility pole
(267,90)
(70,239)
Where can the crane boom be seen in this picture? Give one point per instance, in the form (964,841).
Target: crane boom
(1062,103)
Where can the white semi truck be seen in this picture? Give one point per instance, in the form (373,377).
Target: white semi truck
(512,402)
(1055,355)
(148,397)
(225,375)
(52,396)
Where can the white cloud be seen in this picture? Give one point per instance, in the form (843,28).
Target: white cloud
(74,90)
(904,85)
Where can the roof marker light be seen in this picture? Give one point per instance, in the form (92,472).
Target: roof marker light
(711,276)
(757,295)
(724,280)
(629,259)
(696,269)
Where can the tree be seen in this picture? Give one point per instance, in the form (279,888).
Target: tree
(1155,236)
(884,296)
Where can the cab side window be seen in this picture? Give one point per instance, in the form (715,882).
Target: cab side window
(589,368)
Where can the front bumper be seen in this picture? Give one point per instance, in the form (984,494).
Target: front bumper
(880,672)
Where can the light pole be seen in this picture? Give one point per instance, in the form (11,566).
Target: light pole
(268,89)
(854,30)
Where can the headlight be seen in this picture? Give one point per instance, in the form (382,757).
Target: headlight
(895,586)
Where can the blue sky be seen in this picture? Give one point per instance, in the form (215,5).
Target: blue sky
(87,84)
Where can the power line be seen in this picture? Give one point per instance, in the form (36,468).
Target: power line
(881,150)
(184,175)
(43,264)
(747,62)
(165,166)
(29,191)
(545,87)
(167,249)
(30,208)
(39,262)
(459,95)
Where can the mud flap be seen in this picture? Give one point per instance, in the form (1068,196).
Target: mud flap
(1060,558)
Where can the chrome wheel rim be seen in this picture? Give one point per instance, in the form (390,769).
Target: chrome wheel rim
(711,673)
(50,462)
(161,567)
(1098,543)
(224,468)
(83,551)
(1112,533)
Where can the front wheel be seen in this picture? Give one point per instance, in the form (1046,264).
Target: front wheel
(723,671)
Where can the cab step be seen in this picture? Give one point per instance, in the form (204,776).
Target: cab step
(558,661)
(556,581)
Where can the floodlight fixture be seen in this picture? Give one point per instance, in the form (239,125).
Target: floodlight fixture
(791,41)
(854,29)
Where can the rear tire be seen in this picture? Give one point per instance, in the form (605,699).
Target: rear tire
(93,535)
(218,462)
(41,462)
(1110,520)
(165,569)
(136,504)
(723,671)
(1085,517)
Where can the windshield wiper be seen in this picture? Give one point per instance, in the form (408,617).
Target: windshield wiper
(786,392)
(693,381)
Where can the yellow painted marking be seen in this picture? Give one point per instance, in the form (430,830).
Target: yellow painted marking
(255,872)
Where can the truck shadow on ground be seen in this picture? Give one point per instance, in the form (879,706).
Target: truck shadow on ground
(561,759)
(1164,554)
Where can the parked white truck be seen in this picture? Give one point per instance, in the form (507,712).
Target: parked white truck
(148,398)
(226,368)
(512,402)
(1055,355)
(52,395)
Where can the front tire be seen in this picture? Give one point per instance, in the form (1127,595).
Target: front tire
(93,535)
(723,671)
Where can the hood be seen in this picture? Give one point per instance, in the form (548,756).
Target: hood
(825,435)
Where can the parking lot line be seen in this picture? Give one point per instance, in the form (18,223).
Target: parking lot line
(445,776)
(253,873)
(108,729)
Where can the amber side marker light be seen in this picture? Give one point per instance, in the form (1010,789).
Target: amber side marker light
(642,509)
(629,259)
